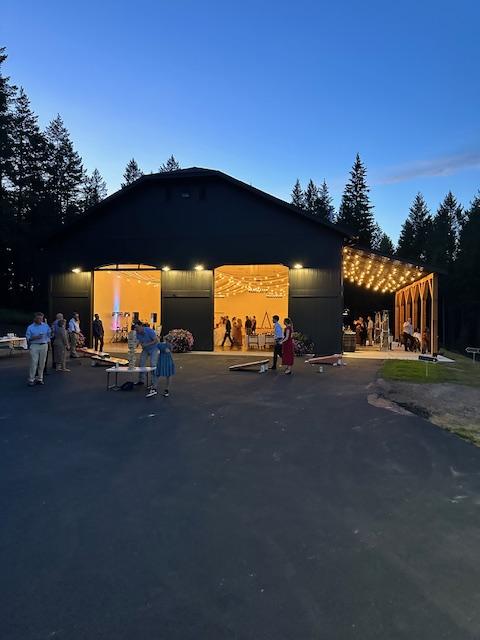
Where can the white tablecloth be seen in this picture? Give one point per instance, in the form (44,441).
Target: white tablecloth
(14,342)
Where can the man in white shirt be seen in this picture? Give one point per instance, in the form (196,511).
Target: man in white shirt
(277,347)
(73,332)
(408,335)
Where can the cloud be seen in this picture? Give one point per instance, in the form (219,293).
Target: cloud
(441,166)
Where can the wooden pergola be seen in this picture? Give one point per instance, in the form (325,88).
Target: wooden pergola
(419,302)
(415,288)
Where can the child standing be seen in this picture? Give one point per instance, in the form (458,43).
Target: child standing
(165,368)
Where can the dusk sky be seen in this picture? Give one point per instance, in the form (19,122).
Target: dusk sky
(264,91)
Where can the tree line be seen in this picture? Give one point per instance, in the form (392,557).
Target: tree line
(43,186)
(448,240)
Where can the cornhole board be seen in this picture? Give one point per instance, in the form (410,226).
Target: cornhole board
(335,360)
(98,361)
(91,352)
(258,366)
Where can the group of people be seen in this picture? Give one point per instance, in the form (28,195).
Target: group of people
(413,339)
(234,329)
(364,331)
(63,338)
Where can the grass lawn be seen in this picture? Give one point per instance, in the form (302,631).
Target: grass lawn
(462,371)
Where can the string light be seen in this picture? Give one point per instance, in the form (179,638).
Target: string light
(378,272)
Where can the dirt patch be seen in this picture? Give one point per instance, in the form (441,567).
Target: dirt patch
(453,407)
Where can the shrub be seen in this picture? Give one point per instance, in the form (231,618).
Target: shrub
(180,340)
(302,344)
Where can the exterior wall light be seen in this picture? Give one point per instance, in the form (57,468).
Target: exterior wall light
(165,268)
(76,270)
(199,267)
(297,265)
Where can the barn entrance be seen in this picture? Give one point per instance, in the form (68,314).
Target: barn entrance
(249,296)
(123,293)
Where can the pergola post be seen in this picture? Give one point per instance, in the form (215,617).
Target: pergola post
(434,327)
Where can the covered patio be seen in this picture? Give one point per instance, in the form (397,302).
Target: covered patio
(414,286)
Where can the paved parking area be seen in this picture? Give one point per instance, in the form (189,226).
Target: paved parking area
(245,506)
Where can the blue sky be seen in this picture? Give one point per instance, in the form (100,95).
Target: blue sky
(266,91)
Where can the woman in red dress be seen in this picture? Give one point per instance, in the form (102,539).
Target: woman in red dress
(287,346)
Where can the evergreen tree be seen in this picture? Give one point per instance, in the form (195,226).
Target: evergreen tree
(415,233)
(446,225)
(94,189)
(64,172)
(7,96)
(132,173)
(406,240)
(355,210)
(298,197)
(385,245)
(468,263)
(324,206)
(28,160)
(311,197)
(8,231)
(170,165)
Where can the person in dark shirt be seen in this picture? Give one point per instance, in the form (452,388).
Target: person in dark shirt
(228,331)
(248,325)
(98,333)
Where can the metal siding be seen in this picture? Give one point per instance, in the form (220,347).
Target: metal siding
(187,303)
(71,292)
(315,307)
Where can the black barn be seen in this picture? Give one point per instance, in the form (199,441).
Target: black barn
(202,217)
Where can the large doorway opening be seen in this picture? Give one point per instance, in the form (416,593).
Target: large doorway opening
(124,293)
(249,295)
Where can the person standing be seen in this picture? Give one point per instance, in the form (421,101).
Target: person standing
(228,332)
(98,333)
(165,369)
(58,317)
(408,335)
(248,326)
(254,325)
(38,337)
(147,338)
(60,346)
(74,332)
(277,346)
(237,333)
(370,330)
(287,346)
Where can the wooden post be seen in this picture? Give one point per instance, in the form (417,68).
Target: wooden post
(434,327)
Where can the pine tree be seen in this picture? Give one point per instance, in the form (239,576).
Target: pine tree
(324,207)
(406,240)
(7,96)
(8,231)
(298,197)
(170,165)
(468,263)
(132,173)
(416,230)
(355,210)
(28,160)
(443,240)
(385,245)
(64,172)
(94,189)
(311,197)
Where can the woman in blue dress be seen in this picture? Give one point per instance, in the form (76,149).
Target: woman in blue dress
(165,368)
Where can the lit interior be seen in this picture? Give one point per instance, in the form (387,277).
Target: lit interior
(253,290)
(121,295)
(378,273)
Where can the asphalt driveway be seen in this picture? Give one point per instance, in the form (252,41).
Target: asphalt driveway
(245,506)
